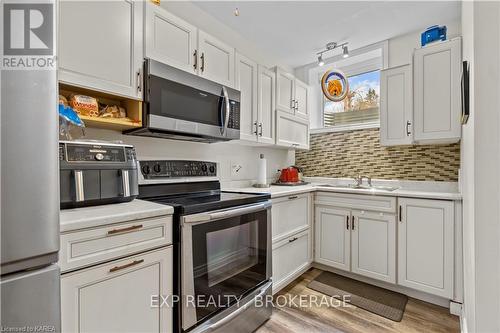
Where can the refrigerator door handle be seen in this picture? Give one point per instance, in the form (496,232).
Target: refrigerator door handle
(79,193)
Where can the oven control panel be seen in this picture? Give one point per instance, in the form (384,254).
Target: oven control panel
(177,169)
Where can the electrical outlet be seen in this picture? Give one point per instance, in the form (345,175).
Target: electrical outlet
(236,170)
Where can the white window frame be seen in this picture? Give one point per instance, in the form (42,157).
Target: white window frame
(352,70)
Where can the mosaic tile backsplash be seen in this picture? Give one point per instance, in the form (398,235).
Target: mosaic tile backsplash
(352,153)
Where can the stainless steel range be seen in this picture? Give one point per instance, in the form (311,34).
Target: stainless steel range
(222,246)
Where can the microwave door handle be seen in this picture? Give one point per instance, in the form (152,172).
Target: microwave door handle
(226,119)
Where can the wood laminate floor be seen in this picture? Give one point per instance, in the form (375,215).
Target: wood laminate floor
(419,316)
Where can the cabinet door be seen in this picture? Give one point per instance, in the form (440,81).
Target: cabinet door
(396,106)
(425,245)
(374,245)
(246,83)
(116,297)
(169,40)
(291,257)
(216,59)
(284,91)
(100,45)
(333,237)
(301,98)
(266,105)
(290,215)
(291,131)
(437,92)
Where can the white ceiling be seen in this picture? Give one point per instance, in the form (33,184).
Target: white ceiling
(295,30)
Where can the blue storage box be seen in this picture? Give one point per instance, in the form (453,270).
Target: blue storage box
(432,34)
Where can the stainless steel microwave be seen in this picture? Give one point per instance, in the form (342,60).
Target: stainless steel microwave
(184,106)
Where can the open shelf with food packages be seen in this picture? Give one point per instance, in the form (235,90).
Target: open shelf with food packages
(112,112)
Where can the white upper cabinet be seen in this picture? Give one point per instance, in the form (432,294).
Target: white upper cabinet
(437,97)
(169,39)
(374,245)
(301,99)
(266,106)
(246,82)
(396,115)
(291,131)
(216,59)
(426,245)
(285,91)
(100,45)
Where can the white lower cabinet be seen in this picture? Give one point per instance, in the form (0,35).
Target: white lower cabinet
(373,250)
(116,296)
(290,215)
(333,237)
(291,257)
(426,245)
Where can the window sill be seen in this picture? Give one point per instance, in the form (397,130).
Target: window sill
(344,128)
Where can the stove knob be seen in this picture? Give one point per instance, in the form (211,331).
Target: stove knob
(99,156)
(204,168)
(146,169)
(157,168)
(212,169)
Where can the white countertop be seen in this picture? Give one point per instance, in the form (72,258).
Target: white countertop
(86,217)
(427,190)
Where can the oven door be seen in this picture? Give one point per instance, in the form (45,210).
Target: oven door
(225,255)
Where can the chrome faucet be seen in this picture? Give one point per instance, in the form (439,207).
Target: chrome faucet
(359,180)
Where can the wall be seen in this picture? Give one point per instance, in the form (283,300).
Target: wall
(353,153)
(226,154)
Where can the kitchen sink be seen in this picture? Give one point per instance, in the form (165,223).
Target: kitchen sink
(363,187)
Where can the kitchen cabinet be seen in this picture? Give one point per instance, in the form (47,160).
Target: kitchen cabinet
(266,105)
(169,39)
(291,94)
(246,81)
(426,245)
(291,131)
(333,237)
(437,92)
(396,114)
(373,250)
(116,296)
(292,238)
(349,238)
(216,59)
(291,257)
(290,215)
(101,45)
(175,42)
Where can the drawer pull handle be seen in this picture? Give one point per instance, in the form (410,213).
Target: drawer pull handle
(133,263)
(117,231)
(293,197)
(292,240)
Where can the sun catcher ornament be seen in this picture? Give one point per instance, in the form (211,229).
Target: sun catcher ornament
(334,85)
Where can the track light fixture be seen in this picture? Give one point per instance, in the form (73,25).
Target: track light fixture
(332,46)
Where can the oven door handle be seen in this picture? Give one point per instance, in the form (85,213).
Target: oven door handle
(237,312)
(218,215)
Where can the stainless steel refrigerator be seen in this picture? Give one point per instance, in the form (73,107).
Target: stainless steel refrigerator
(29,226)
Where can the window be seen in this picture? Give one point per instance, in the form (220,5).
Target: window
(361,106)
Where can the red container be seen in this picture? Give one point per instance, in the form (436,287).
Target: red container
(289,175)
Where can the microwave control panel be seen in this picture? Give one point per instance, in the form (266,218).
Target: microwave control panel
(177,169)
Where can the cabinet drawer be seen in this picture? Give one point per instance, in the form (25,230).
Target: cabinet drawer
(290,215)
(290,257)
(91,246)
(357,201)
(119,296)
